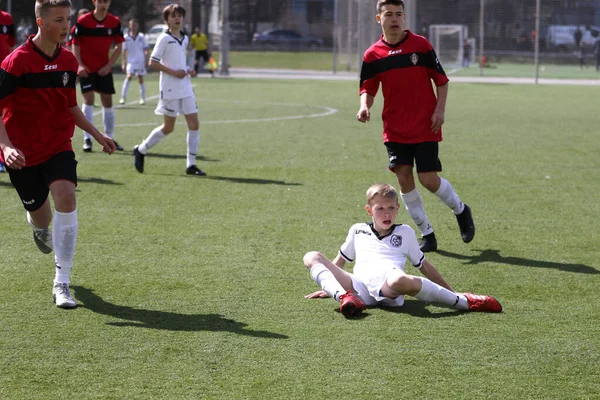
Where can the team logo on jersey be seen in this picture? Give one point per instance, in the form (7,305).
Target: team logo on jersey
(396,240)
(109,31)
(4,29)
(414,58)
(65,79)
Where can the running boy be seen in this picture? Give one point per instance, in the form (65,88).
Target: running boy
(405,64)
(95,33)
(39,79)
(135,53)
(379,250)
(169,56)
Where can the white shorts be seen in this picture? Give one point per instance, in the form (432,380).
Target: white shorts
(136,69)
(174,107)
(371,294)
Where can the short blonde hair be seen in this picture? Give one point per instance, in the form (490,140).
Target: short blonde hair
(42,6)
(381,189)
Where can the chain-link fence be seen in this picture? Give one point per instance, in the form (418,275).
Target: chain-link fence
(523,38)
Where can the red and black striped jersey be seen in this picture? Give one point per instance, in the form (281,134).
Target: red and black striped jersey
(405,71)
(36,92)
(7,34)
(95,38)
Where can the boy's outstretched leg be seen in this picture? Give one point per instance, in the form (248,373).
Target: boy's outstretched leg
(336,282)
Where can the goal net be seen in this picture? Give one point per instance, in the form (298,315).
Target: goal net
(448,42)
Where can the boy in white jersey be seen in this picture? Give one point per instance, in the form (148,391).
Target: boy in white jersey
(379,250)
(169,56)
(135,53)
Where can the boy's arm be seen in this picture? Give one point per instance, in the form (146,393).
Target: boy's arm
(13,158)
(163,68)
(113,59)
(124,60)
(364,113)
(82,70)
(431,273)
(108,146)
(437,119)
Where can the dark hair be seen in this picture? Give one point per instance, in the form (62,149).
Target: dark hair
(381,3)
(42,6)
(171,9)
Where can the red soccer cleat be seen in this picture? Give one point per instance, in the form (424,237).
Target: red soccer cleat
(350,305)
(482,303)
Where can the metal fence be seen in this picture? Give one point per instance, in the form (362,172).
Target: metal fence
(525,36)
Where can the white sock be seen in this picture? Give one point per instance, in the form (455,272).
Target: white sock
(434,293)
(415,208)
(449,197)
(64,237)
(152,140)
(142,91)
(193,141)
(108,118)
(125,88)
(324,278)
(88,111)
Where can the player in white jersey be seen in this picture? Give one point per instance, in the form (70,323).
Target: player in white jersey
(169,56)
(135,53)
(379,250)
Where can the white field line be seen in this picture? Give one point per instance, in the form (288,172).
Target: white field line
(327,111)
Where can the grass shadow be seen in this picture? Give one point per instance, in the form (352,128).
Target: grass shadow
(167,156)
(99,181)
(418,308)
(163,320)
(494,256)
(256,181)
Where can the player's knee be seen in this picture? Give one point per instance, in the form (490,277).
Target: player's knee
(404,284)
(64,200)
(311,258)
(430,181)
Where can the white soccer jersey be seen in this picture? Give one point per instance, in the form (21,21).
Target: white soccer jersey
(374,256)
(135,46)
(172,52)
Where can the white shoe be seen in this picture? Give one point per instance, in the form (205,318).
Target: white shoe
(122,101)
(142,101)
(62,297)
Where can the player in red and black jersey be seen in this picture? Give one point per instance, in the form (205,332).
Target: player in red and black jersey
(37,93)
(69,41)
(405,64)
(95,33)
(7,42)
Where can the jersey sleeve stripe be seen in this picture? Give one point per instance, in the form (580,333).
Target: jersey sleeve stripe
(420,264)
(8,83)
(345,257)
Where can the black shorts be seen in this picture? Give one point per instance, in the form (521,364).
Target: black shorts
(203,54)
(101,84)
(425,155)
(33,183)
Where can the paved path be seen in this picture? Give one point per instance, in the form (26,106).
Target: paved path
(258,73)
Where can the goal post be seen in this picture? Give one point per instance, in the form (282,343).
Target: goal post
(448,41)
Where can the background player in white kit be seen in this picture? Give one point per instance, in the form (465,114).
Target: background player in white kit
(133,59)
(379,250)
(169,56)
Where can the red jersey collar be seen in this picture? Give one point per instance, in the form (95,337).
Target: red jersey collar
(408,33)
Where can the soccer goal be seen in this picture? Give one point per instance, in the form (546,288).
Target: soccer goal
(449,43)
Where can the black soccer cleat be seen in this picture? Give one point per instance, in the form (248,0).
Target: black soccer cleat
(428,243)
(118,146)
(193,170)
(466,224)
(87,145)
(138,160)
